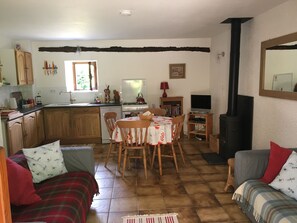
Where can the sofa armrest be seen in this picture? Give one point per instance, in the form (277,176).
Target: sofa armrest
(79,159)
(250,164)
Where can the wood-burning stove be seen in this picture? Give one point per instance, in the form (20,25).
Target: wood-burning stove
(231,123)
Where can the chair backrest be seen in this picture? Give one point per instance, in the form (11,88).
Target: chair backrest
(177,126)
(110,119)
(156,111)
(134,133)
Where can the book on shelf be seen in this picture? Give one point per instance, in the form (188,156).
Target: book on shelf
(175,110)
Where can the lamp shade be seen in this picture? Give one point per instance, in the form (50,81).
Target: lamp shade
(164,85)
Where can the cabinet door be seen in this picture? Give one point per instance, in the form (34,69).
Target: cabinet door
(20,64)
(40,127)
(15,135)
(9,71)
(28,68)
(30,130)
(85,123)
(57,123)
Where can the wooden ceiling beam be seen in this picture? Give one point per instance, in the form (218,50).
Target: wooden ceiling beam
(119,49)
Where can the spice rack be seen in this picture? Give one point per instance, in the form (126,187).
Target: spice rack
(50,68)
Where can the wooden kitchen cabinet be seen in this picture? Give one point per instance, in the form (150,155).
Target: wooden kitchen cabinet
(72,125)
(57,123)
(21,67)
(28,68)
(30,136)
(40,126)
(86,124)
(9,66)
(24,67)
(15,135)
(17,67)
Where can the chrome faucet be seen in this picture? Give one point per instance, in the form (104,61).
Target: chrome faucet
(71,99)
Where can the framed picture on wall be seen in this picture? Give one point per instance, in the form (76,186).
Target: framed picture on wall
(177,71)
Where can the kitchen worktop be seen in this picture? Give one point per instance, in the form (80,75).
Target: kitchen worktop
(25,111)
(75,105)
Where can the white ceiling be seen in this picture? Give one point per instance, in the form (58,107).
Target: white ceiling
(100,19)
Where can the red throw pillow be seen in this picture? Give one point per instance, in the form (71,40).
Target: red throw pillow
(277,158)
(20,183)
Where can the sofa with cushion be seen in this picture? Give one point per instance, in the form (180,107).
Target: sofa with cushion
(266,184)
(43,190)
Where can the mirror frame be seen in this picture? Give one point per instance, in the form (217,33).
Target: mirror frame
(267,44)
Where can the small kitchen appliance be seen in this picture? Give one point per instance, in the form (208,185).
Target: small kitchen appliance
(13,103)
(140,99)
(38,100)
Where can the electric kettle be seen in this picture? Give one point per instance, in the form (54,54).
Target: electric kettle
(140,99)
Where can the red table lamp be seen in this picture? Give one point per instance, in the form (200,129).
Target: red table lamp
(164,86)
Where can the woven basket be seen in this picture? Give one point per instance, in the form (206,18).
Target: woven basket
(146,117)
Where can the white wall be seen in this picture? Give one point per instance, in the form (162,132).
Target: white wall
(5,42)
(219,69)
(274,119)
(113,67)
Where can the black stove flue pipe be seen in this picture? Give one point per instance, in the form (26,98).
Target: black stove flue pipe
(230,124)
(234,66)
(234,63)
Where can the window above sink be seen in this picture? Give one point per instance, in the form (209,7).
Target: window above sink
(81,75)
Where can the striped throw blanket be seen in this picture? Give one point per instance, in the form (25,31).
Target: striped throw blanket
(266,204)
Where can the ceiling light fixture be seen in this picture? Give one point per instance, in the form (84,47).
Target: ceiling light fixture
(125,12)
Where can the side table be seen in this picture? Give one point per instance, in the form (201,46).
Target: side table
(230,179)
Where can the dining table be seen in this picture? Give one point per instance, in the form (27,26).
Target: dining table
(159,132)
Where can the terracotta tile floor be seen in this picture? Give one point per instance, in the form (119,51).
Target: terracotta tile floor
(196,193)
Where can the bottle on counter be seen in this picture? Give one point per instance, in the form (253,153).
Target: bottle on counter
(38,99)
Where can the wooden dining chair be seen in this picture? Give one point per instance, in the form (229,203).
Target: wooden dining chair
(156,111)
(176,128)
(110,119)
(134,137)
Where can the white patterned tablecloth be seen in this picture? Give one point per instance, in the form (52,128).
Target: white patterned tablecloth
(159,131)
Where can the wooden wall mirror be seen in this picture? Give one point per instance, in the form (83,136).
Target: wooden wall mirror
(278,67)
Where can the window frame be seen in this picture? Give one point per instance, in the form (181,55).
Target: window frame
(94,75)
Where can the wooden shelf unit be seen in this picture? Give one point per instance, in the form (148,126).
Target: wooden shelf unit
(172,105)
(200,125)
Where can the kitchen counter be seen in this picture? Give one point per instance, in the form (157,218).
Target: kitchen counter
(75,105)
(26,111)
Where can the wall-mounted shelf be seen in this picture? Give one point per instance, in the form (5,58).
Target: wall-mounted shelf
(50,68)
